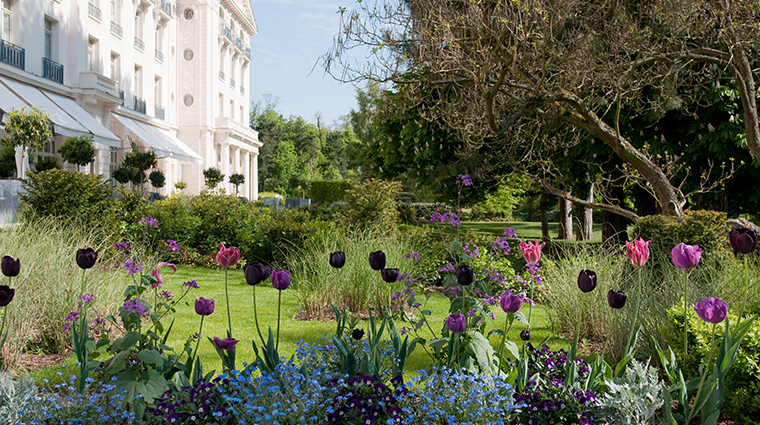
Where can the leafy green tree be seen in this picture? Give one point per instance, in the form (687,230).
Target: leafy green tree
(157,179)
(79,150)
(287,166)
(28,129)
(237,179)
(139,162)
(180,185)
(213,177)
(123,174)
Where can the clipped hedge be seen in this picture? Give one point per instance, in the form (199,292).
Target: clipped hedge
(327,191)
(708,229)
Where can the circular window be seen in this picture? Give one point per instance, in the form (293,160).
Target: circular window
(189,14)
(188,100)
(188,55)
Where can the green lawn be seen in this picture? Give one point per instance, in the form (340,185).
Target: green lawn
(211,283)
(524,229)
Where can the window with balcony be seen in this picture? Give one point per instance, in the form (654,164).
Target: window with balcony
(92,55)
(158,98)
(5,33)
(159,55)
(232,109)
(48,39)
(139,24)
(93,9)
(116,17)
(115,59)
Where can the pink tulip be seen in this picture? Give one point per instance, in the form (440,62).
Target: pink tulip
(227,257)
(157,274)
(638,251)
(531,251)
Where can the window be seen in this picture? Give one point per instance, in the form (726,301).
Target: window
(242,115)
(116,11)
(221,65)
(160,39)
(48,39)
(5,34)
(49,147)
(114,66)
(221,105)
(232,109)
(157,98)
(92,55)
(138,81)
(139,24)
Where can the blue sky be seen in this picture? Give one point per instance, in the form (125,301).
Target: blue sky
(293,34)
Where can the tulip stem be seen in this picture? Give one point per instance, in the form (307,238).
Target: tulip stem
(256,316)
(704,372)
(635,316)
(504,336)
(746,289)
(192,360)
(685,318)
(279,304)
(530,307)
(227,296)
(609,336)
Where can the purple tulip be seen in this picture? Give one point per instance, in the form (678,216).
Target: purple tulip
(6,295)
(743,241)
(226,343)
(10,266)
(686,256)
(457,322)
(390,275)
(86,258)
(465,275)
(280,279)
(510,302)
(256,273)
(204,307)
(377,260)
(337,259)
(587,280)
(616,299)
(711,310)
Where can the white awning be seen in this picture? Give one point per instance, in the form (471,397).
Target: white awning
(64,123)
(100,133)
(175,145)
(194,157)
(9,100)
(137,130)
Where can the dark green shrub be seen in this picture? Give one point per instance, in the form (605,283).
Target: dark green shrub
(326,192)
(708,229)
(78,150)
(176,220)
(420,212)
(272,235)
(742,389)
(74,198)
(45,163)
(157,179)
(7,163)
(222,217)
(237,179)
(372,204)
(139,163)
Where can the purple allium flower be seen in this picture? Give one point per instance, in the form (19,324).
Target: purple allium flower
(122,246)
(448,267)
(191,284)
(414,255)
(134,305)
(133,266)
(464,179)
(510,232)
(72,316)
(149,220)
(173,245)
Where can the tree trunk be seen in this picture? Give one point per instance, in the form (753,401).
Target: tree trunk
(544,219)
(565,219)
(615,227)
(585,219)
(646,204)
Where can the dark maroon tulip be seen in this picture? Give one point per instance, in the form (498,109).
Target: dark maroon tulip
(256,273)
(280,279)
(510,302)
(6,295)
(226,343)
(390,275)
(86,258)
(525,335)
(10,266)
(616,299)
(587,280)
(357,334)
(377,260)
(743,241)
(465,275)
(204,307)
(337,259)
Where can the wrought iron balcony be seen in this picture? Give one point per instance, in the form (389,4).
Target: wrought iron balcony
(139,104)
(94,11)
(139,44)
(242,89)
(116,29)
(121,96)
(232,83)
(159,112)
(166,6)
(248,52)
(159,56)
(226,31)
(12,55)
(239,43)
(52,70)
(221,75)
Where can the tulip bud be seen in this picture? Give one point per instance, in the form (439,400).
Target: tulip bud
(337,259)
(256,273)
(390,275)
(743,241)
(616,299)
(465,275)
(456,322)
(587,280)
(525,335)
(377,260)
(280,279)
(6,295)
(226,343)
(357,334)
(10,266)
(86,258)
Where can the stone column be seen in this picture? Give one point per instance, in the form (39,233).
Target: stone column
(247,174)
(225,165)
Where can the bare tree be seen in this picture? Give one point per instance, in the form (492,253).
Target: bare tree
(502,70)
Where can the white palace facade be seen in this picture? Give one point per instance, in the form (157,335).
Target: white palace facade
(167,75)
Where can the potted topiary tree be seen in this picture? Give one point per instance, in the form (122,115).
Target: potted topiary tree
(26,129)
(157,180)
(78,150)
(213,177)
(237,179)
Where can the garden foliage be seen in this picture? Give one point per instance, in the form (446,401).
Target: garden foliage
(372,203)
(327,191)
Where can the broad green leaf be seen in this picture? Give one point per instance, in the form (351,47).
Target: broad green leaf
(150,357)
